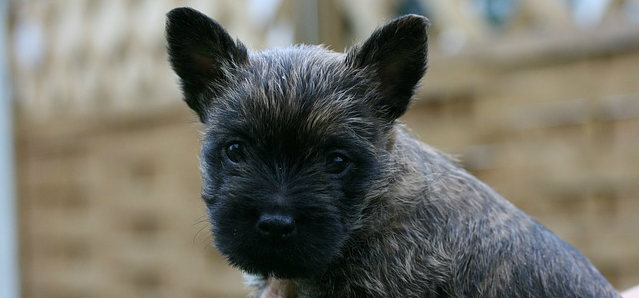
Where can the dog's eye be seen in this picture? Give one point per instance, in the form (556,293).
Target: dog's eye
(235,152)
(337,163)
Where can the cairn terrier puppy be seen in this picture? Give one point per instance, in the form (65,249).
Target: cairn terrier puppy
(314,189)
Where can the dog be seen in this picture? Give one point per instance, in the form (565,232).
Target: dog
(315,189)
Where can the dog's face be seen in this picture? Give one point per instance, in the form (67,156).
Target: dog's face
(286,159)
(293,138)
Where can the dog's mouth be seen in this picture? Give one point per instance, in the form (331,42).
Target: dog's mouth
(279,249)
(296,256)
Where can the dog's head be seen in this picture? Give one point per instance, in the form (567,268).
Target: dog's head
(293,138)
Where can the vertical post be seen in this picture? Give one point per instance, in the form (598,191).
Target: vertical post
(330,29)
(306,21)
(9,272)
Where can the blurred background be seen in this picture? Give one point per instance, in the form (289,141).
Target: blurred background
(99,179)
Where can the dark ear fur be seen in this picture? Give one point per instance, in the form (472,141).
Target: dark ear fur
(397,54)
(200,52)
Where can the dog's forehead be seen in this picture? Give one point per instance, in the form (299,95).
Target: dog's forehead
(300,90)
(307,72)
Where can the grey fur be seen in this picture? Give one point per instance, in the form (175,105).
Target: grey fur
(424,227)
(439,232)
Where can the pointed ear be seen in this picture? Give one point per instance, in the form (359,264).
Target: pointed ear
(396,54)
(201,52)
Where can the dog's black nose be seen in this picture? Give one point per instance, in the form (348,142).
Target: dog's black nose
(276,226)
